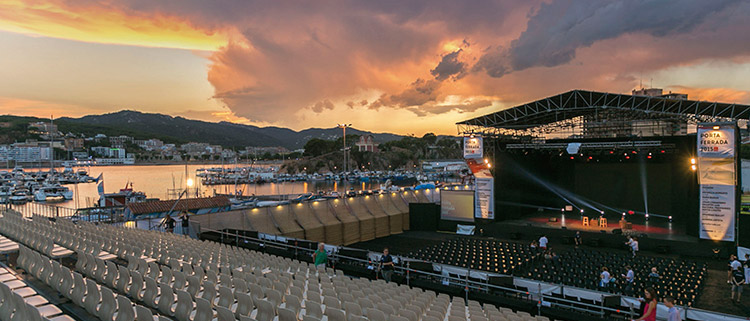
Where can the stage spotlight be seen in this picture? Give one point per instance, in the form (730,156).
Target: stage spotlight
(627,157)
(716,127)
(601,213)
(649,156)
(692,161)
(581,211)
(693,167)
(670,218)
(623,214)
(646,216)
(571,157)
(486,160)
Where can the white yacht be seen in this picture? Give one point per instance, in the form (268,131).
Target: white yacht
(53,192)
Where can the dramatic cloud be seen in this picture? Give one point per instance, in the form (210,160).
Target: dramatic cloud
(561,27)
(449,66)
(287,61)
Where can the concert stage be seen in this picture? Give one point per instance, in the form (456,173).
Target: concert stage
(655,228)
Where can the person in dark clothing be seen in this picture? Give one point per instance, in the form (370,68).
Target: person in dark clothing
(386,265)
(578,239)
(168,223)
(738,280)
(185,224)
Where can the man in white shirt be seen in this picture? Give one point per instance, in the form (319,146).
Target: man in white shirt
(634,246)
(736,264)
(673,313)
(605,278)
(543,242)
(629,279)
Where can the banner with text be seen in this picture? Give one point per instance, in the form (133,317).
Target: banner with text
(485,198)
(473,147)
(717,177)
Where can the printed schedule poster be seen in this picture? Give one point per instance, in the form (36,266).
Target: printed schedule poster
(717,212)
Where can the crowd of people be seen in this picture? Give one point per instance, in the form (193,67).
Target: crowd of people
(738,274)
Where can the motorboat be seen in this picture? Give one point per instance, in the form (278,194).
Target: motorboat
(19,197)
(46,193)
(123,197)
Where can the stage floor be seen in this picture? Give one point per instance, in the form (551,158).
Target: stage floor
(657,227)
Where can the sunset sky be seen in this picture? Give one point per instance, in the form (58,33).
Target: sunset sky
(407,67)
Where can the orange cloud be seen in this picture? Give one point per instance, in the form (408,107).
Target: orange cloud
(42,109)
(726,95)
(99,24)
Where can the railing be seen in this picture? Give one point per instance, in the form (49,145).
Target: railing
(536,296)
(92,214)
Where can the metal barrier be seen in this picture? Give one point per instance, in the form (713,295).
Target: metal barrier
(92,214)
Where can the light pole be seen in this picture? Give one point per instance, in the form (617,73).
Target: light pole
(344,127)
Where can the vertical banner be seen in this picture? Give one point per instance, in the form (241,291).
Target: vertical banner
(717,176)
(485,198)
(484,183)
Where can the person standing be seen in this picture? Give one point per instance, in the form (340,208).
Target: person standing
(185,224)
(386,265)
(649,310)
(578,240)
(320,257)
(629,277)
(633,244)
(738,280)
(604,279)
(673,314)
(543,242)
(654,277)
(168,223)
(746,267)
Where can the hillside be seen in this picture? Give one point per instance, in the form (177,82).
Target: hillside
(180,130)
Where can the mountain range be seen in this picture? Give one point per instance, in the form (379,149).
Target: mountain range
(180,129)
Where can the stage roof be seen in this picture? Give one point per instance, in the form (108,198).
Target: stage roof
(577,103)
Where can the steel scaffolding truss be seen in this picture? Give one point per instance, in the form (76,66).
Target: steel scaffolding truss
(592,114)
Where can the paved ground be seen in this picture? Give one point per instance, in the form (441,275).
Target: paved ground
(716,292)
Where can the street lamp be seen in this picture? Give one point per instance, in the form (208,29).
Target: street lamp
(344,127)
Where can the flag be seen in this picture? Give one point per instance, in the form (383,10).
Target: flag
(99,178)
(100,187)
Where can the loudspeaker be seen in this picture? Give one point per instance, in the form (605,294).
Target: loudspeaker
(425,217)
(617,231)
(553,219)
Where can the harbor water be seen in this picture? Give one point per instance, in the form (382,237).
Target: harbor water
(157,181)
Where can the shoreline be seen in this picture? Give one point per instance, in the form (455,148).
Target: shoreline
(59,164)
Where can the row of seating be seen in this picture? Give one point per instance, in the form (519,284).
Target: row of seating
(84,292)
(218,278)
(681,279)
(18,301)
(479,254)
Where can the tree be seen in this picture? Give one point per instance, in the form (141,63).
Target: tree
(316,147)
